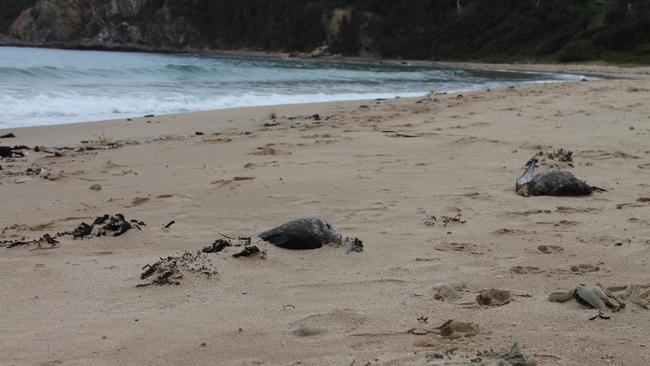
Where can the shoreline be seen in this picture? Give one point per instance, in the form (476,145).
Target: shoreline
(555,69)
(595,68)
(102,127)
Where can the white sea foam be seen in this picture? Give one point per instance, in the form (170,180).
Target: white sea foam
(47,110)
(39,86)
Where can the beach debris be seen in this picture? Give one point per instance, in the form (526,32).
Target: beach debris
(430,220)
(13,152)
(512,358)
(169,224)
(305,330)
(229,241)
(450,219)
(250,251)
(8,136)
(106,225)
(149,116)
(199,133)
(217,246)
(493,297)
(56,152)
(96,187)
(602,298)
(169,270)
(45,172)
(353,245)
(101,226)
(166,271)
(561,155)
(47,238)
(101,143)
(552,183)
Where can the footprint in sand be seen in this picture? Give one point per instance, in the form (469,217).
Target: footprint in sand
(562,223)
(458,247)
(550,249)
(258,165)
(448,291)
(267,150)
(583,268)
(454,329)
(570,210)
(529,212)
(476,195)
(338,321)
(603,155)
(493,297)
(474,139)
(635,220)
(235,181)
(621,206)
(525,270)
(505,231)
(602,239)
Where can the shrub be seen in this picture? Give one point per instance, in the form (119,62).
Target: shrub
(582,50)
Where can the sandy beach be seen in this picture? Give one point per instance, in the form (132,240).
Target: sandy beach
(378,170)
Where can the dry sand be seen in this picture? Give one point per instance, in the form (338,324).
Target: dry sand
(376,169)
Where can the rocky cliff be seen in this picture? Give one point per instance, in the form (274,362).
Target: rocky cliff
(103,23)
(495,30)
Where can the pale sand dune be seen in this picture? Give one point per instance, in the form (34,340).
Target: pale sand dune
(376,173)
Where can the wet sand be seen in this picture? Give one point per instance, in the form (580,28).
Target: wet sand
(377,170)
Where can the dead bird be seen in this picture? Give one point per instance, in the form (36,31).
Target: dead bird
(552,183)
(307,233)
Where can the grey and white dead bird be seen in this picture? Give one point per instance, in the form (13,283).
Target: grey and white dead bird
(301,234)
(552,183)
(601,297)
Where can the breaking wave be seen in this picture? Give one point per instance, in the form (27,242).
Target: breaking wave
(44,86)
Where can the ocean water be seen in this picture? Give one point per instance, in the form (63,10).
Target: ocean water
(46,86)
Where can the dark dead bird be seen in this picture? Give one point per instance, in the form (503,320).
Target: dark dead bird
(552,183)
(307,233)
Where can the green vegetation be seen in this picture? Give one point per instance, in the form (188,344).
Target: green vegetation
(487,30)
(562,30)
